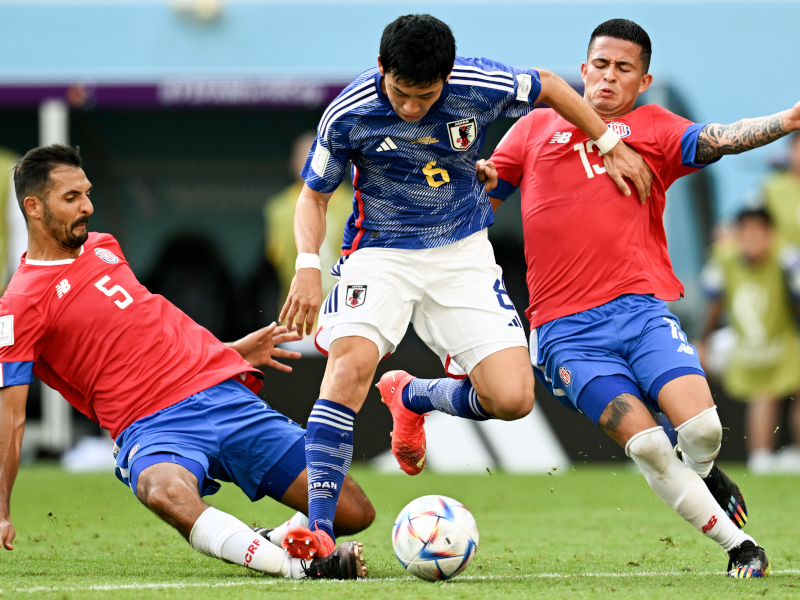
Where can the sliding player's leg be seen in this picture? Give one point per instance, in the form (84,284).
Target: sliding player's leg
(171,450)
(631,425)
(667,367)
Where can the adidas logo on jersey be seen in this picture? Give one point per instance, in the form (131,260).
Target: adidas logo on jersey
(685,348)
(561,137)
(387,144)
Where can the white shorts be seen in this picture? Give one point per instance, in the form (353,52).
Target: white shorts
(453,295)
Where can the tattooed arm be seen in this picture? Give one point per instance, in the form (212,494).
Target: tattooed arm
(716,140)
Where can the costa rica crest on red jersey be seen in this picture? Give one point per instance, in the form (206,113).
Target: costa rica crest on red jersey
(462,133)
(106,255)
(621,129)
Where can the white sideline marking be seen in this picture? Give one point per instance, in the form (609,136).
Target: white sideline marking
(275,581)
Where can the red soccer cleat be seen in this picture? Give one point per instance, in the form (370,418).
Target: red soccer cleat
(408,436)
(302,542)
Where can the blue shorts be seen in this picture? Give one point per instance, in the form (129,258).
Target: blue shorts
(633,344)
(225,432)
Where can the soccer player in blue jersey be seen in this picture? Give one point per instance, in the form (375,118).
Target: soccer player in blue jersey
(415,249)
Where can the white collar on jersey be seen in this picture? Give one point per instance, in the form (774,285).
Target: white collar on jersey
(50,263)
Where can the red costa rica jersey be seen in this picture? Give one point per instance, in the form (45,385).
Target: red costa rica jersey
(585,242)
(116,352)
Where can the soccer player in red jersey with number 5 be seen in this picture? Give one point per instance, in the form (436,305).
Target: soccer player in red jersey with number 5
(179,403)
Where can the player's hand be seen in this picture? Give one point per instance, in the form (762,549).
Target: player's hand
(7,533)
(488,173)
(302,304)
(259,348)
(623,161)
(793,118)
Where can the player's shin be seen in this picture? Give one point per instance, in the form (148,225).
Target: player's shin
(329,450)
(681,488)
(455,397)
(223,536)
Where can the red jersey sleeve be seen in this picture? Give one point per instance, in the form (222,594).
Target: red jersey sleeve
(677,138)
(509,158)
(21,329)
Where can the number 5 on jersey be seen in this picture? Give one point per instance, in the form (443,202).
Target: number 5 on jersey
(100,285)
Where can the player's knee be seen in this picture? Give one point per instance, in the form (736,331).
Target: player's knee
(652,449)
(701,434)
(514,403)
(161,494)
(355,512)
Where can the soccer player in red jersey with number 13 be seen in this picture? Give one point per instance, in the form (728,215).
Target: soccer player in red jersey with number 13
(602,338)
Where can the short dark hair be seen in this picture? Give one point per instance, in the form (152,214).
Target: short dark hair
(32,171)
(418,50)
(623,29)
(755,212)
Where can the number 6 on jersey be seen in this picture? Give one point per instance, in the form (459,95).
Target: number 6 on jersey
(110,292)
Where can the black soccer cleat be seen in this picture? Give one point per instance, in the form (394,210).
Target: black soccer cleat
(728,495)
(345,562)
(748,560)
(725,492)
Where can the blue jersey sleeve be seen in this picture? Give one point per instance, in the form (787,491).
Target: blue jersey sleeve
(503,190)
(326,164)
(16,373)
(511,90)
(689,146)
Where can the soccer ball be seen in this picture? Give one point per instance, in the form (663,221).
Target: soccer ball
(435,537)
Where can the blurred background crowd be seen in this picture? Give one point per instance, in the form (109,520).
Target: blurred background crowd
(195,116)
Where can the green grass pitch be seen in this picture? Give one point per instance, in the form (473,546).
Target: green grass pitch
(591,532)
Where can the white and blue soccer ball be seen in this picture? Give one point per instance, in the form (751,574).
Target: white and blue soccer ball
(435,537)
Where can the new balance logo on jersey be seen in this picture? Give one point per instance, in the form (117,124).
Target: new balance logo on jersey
(387,144)
(62,288)
(561,137)
(686,348)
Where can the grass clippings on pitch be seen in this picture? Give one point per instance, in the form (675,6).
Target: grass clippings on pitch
(591,532)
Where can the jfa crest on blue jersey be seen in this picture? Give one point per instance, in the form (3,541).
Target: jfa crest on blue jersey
(415,183)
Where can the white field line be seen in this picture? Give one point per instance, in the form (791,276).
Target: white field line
(265,581)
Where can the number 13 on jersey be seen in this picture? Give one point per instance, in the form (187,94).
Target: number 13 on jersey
(584,149)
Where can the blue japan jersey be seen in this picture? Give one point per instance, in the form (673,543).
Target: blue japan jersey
(415,183)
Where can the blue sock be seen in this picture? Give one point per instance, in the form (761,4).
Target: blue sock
(455,397)
(329,450)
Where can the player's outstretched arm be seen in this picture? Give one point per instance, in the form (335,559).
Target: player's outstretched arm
(305,293)
(259,348)
(621,161)
(716,140)
(12,426)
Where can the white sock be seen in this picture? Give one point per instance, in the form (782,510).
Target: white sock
(681,488)
(276,535)
(700,439)
(223,536)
